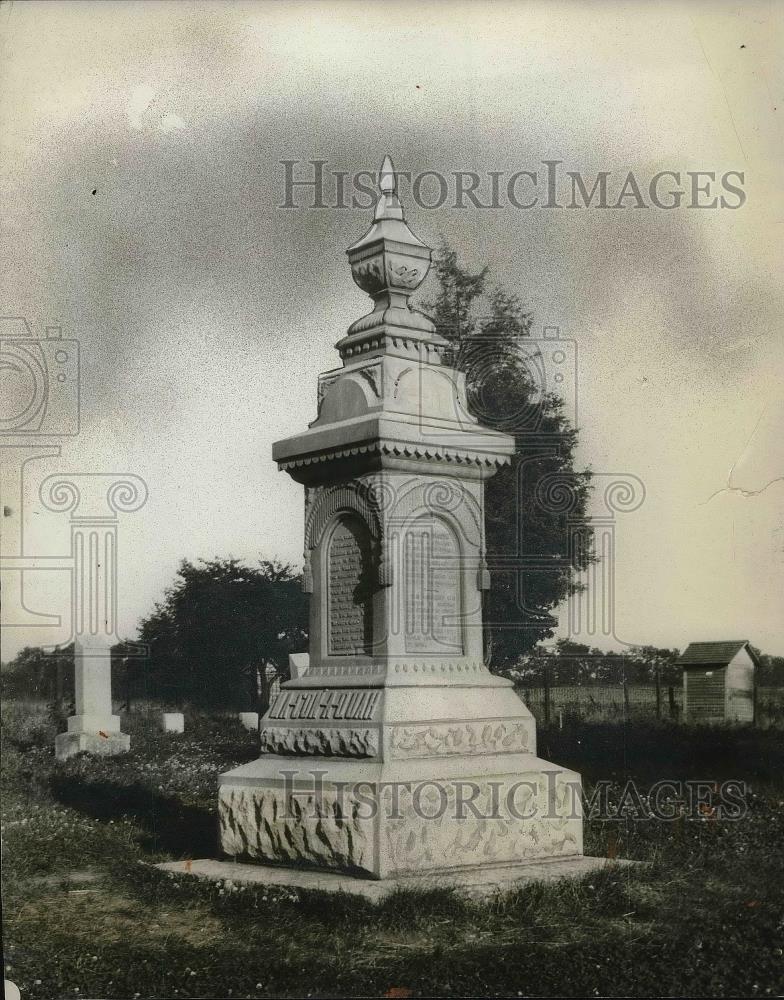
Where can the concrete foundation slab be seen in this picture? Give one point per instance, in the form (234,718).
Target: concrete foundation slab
(475,883)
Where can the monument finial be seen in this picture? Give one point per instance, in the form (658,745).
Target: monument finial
(388,263)
(387,182)
(388,205)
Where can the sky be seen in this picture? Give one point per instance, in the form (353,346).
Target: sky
(141,149)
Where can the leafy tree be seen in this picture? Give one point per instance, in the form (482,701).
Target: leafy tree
(129,676)
(535,549)
(771,669)
(652,658)
(574,664)
(224,630)
(29,674)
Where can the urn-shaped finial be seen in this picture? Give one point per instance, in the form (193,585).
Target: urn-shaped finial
(389,262)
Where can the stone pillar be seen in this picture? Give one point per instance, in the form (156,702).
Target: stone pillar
(94,502)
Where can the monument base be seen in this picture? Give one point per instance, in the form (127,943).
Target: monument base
(400,818)
(478,882)
(399,780)
(69,744)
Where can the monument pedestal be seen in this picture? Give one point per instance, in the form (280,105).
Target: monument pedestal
(411,779)
(71,743)
(396,753)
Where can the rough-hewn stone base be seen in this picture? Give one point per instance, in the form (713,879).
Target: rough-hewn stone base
(68,744)
(406,818)
(476,883)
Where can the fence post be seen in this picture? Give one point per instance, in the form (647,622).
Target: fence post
(625,696)
(546,680)
(128,681)
(671,695)
(59,693)
(658,692)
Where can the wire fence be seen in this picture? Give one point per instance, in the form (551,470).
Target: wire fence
(618,702)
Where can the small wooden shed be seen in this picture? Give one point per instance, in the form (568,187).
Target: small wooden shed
(718,681)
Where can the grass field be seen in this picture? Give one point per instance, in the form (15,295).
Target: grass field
(85,916)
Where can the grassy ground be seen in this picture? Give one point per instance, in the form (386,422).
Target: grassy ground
(85,916)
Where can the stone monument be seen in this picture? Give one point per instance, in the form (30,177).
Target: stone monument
(396,752)
(95,502)
(94,728)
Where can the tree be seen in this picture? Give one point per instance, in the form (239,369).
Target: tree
(575,664)
(651,659)
(535,548)
(771,669)
(219,628)
(129,678)
(29,674)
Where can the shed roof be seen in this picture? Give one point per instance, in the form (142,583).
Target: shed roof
(713,654)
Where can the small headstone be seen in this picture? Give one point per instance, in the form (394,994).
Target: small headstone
(173,722)
(250,720)
(298,664)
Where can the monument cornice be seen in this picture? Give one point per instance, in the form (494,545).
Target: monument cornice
(400,672)
(397,454)
(434,439)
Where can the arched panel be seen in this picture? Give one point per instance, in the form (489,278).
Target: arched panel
(431,589)
(347,397)
(432,391)
(330,501)
(348,588)
(444,498)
